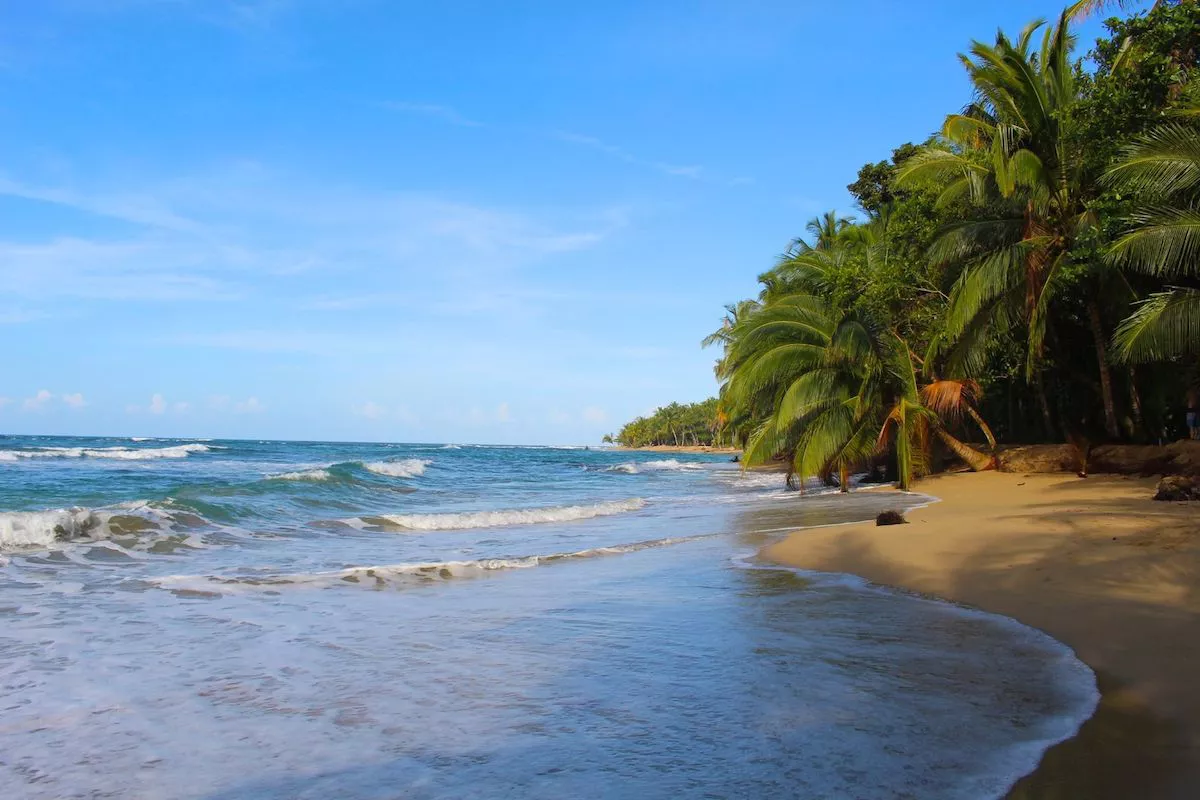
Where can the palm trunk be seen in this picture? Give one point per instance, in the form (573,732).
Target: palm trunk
(977,461)
(1040,390)
(983,426)
(844,478)
(1106,392)
(1135,400)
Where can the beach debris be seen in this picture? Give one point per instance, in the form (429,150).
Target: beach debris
(890,518)
(1177,487)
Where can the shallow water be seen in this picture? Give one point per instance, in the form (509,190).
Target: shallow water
(313,620)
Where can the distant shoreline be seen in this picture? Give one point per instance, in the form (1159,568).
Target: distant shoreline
(1096,564)
(688,448)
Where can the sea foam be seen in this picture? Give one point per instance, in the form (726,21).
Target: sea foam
(303,475)
(23,530)
(493,519)
(401,575)
(408,468)
(666,465)
(119,453)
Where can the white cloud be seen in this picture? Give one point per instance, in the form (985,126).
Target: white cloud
(370,410)
(443,113)
(39,400)
(502,413)
(142,210)
(692,171)
(181,407)
(74,400)
(20,316)
(595,415)
(158,404)
(270,228)
(250,405)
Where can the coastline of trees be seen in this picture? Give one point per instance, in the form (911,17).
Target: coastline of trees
(676,425)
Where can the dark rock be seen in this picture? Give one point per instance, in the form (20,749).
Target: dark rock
(890,518)
(876,474)
(1177,487)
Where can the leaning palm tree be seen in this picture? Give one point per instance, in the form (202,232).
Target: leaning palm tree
(1163,240)
(1008,152)
(832,390)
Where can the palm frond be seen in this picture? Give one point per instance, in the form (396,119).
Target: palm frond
(1165,326)
(1164,241)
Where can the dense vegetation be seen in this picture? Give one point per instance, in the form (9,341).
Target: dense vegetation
(1029,273)
(676,425)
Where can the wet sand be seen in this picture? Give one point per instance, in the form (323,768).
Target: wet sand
(1093,562)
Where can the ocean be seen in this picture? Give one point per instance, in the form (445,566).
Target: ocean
(259,619)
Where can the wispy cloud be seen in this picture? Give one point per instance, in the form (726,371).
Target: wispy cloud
(439,112)
(20,316)
(74,400)
(235,231)
(621,154)
(370,410)
(251,405)
(452,116)
(128,207)
(223,402)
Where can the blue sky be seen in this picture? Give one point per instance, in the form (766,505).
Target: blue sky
(458,221)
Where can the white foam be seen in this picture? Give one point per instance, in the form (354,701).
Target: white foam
(666,465)
(452,447)
(398,575)
(22,530)
(120,453)
(408,468)
(302,475)
(493,519)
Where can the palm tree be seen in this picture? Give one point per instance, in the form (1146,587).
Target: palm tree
(1007,151)
(734,312)
(826,230)
(832,389)
(1163,240)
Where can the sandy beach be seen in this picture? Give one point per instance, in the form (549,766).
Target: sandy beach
(1093,562)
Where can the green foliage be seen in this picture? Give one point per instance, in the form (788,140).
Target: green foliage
(1061,207)
(676,425)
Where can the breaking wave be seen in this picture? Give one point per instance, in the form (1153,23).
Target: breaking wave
(401,575)
(26,530)
(303,475)
(493,519)
(408,468)
(666,465)
(120,453)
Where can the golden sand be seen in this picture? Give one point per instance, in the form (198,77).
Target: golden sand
(1093,562)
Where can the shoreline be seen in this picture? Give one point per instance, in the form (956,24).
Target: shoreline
(683,448)
(1094,563)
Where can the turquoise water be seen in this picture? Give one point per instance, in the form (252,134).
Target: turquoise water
(221,619)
